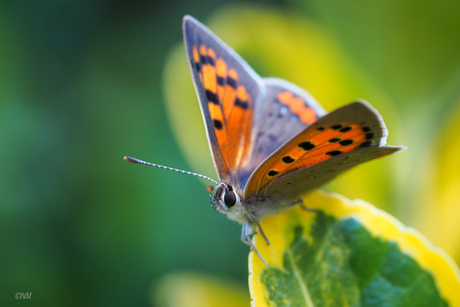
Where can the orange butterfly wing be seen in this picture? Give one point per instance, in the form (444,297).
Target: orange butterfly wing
(227,89)
(336,142)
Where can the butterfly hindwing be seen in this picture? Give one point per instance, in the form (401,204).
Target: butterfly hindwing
(227,89)
(334,143)
(300,181)
(286,111)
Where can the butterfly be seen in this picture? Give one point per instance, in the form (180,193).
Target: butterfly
(270,140)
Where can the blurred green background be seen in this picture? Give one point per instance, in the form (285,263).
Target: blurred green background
(84,83)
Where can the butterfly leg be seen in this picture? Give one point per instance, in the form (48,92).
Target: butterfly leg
(246,233)
(300,203)
(251,217)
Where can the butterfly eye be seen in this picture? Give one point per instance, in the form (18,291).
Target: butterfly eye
(230,199)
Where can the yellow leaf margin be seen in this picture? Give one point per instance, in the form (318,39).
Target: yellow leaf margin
(190,289)
(379,223)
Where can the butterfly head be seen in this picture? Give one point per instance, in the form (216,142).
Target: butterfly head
(225,198)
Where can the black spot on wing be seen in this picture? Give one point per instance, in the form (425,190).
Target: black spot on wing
(220,81)
(306,145)
(346,142)
(242,104)
(365,144)
(369,136)
(203,59)
(217,124)
(287,159)
(197,67)
(212,97)
(211,61)
(231,82)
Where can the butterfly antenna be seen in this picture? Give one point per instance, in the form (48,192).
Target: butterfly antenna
(134,160)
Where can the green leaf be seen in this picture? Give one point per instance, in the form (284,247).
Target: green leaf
(348,254)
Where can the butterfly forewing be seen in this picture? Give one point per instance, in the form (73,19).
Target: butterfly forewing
(227,89)
(337,141)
